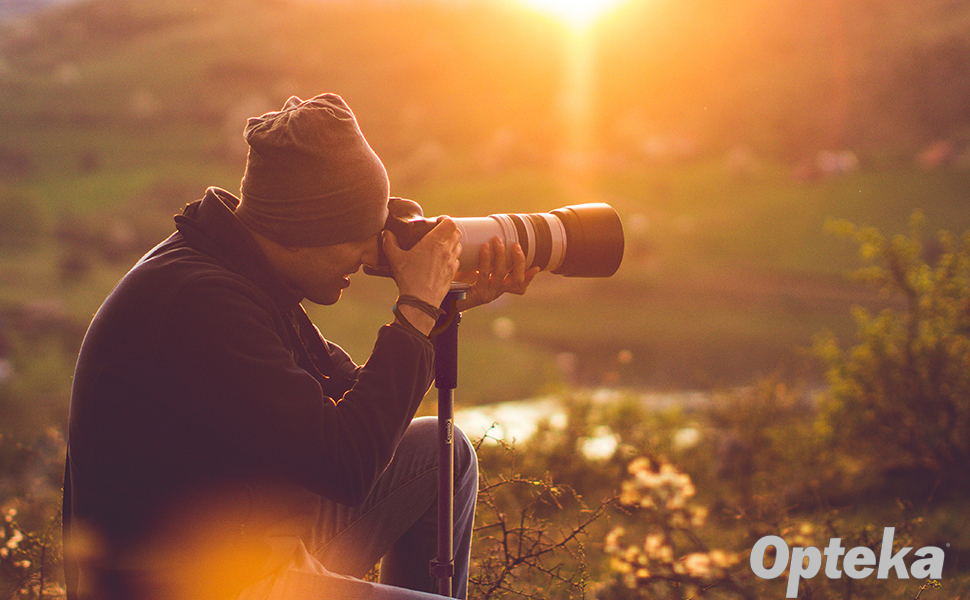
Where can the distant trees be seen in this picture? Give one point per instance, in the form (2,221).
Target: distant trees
(21,220)
(931,90)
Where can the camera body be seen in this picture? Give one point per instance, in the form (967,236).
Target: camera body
(582,240)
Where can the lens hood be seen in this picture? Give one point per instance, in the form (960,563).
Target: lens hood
(594,240)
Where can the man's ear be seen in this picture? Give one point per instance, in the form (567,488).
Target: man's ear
(279,256)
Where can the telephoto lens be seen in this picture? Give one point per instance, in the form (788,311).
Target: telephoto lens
(582,240)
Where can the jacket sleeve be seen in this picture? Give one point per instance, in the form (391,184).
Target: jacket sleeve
(252,408)
(337,356)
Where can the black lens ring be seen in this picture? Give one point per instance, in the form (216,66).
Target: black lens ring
(521,232)
(543,241)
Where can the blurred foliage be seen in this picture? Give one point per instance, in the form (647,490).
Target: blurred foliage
(673,561)
(900,397)
(30,500)
(671,510)
(21,220)
(530,535)
(686,494)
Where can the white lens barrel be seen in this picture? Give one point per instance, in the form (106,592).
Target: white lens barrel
(476,231)
(541,235)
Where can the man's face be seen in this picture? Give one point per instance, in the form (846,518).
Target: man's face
(322,273)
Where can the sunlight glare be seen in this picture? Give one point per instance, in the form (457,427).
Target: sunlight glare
(577,13)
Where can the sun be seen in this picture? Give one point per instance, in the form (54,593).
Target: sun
(577,13)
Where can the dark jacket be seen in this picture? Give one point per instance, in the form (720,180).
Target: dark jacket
(206,404)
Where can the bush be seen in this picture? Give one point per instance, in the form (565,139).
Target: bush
(673,560)
(30,494)
(900,398)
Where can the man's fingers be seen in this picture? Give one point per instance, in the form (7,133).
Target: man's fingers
(426,270)
(518,263)
(392,249)
(445,230)
(485,258)
(390,240)
(501,261)
(527,278)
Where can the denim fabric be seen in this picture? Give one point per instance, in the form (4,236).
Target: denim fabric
(396,525)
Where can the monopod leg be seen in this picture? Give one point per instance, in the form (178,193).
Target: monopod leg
(446,380)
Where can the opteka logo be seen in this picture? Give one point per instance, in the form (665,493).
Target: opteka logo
(857,564)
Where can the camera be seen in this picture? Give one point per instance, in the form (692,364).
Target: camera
(582,240)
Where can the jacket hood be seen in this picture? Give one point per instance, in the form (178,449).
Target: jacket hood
(210,226)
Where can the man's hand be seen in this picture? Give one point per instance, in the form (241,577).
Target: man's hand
(426,270)
(500,270)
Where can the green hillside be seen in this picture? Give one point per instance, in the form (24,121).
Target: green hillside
(708,123)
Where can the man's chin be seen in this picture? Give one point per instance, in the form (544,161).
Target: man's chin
(327,295)
(327,299)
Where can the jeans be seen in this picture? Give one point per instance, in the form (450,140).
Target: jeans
(396,525)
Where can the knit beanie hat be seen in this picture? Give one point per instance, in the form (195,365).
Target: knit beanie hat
(311,179)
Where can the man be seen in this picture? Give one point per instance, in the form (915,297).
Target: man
(219,446)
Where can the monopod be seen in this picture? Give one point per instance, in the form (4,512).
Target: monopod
(446,381)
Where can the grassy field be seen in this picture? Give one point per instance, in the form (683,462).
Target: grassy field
(724,278)
(116,114)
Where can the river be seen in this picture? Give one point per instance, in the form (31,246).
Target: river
(517,420)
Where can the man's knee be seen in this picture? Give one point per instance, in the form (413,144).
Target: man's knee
(466,461)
